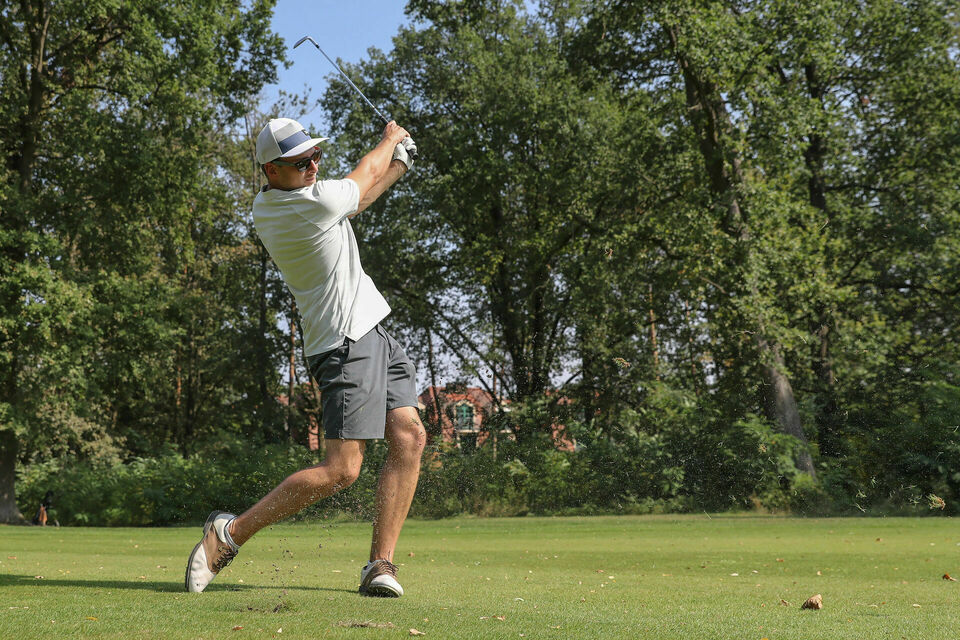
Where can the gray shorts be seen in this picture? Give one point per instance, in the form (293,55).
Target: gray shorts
(360,381)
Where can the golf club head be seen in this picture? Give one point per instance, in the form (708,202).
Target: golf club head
(304,39)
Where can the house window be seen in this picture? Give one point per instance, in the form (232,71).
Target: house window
(464,417)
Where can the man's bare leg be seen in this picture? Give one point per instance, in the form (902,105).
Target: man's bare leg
(406,438)
(339,469)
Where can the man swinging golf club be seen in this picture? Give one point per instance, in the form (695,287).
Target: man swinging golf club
(366,380)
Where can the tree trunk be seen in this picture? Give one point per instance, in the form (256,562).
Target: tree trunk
(653,336)
(781,405)
(828,417)
(712,124)
(37,22)
(9,513)
(690,349)
(436,430)
(314,412)
(292,382)
(262,357)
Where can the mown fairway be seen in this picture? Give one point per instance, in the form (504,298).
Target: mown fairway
(607,577)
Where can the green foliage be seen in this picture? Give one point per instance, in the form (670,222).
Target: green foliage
(718,242)
(166,489)
(677,456)
(123,277)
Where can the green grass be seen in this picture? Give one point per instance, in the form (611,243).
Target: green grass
(604,577)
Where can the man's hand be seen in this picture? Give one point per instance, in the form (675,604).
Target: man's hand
(403,154)
(394,132)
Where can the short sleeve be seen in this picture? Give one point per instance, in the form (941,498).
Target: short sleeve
(329,201)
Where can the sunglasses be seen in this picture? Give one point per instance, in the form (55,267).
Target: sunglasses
(303,164)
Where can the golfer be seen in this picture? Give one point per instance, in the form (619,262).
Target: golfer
(366,380)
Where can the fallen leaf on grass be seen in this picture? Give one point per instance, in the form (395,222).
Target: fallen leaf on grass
(414,632)
(90,618)
(917,606)
(784,603)
(365,623)
(238,627)
(946,576)
(813,602)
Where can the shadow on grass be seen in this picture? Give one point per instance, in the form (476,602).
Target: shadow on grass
(8,580)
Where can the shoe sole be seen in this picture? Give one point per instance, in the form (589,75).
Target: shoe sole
(206,529)
(378,592)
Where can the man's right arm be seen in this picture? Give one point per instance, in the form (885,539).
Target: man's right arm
(373,167)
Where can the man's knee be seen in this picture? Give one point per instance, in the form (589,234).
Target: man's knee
(348,476)
(408,434)
(344,466)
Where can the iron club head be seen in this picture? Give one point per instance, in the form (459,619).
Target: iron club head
(304,39)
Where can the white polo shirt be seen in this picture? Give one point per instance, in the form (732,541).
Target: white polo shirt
(310,238)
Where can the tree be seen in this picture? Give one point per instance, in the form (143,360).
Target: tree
(111,115)
(485,245)
(807,121)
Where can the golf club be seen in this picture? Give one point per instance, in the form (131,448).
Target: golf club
(347,78)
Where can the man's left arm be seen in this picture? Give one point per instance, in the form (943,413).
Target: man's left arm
(401,163)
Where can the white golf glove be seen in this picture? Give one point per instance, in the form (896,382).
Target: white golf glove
(410,146)
(401,154)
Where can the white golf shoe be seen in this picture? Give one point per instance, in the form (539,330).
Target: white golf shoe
(214,551)
(379,578)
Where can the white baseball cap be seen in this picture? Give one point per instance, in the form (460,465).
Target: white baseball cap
(283,138)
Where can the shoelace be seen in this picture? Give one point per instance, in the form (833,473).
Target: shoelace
(388,567)
(225,556)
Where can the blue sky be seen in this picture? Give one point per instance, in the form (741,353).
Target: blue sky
(345,29)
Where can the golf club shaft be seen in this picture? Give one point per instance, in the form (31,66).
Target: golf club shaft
(345,76)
